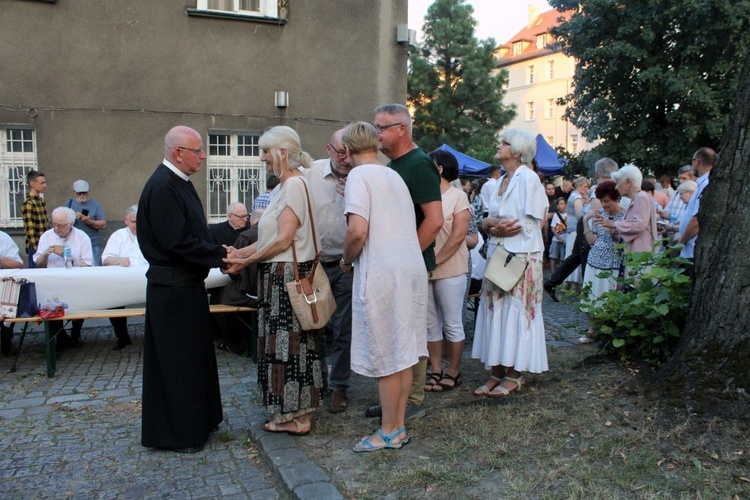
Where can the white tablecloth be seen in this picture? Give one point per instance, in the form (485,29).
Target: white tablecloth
(85,288)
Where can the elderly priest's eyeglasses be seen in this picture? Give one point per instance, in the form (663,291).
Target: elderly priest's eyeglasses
(196,151)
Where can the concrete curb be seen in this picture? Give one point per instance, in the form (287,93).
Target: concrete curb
(301,477)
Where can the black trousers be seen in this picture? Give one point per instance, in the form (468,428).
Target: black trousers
(575,259)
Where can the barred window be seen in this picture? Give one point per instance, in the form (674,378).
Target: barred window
(17,158)
(235,172)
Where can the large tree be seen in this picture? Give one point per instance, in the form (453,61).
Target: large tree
(655,79)
(453,87)
(710,371)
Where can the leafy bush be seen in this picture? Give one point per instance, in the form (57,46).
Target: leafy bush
(644,317)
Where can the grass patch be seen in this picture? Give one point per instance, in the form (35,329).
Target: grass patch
(581,430)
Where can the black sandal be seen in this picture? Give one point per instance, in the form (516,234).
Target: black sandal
(456,382)
(433,381)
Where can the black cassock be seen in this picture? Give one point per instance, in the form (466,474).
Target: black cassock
(181,396)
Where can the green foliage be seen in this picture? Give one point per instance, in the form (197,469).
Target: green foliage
(655,80)
(645,322)
(452,85)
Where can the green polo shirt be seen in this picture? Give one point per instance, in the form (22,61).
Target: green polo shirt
(423,180)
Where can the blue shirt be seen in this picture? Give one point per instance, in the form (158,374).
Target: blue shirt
(95,213)
(688,251)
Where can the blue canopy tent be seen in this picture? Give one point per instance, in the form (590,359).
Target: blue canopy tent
(549,162)
(466,164)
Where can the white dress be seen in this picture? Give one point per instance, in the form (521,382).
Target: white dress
(510,329)
(389,292)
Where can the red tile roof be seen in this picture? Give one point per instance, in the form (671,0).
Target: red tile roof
(529,34)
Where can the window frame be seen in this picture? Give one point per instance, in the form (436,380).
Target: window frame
(549,108)
(530,111)
(530,77)
(551,69)
(13,182)
(232,177)
(268,12)
(573,143)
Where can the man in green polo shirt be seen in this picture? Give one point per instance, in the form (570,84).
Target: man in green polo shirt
(423,180)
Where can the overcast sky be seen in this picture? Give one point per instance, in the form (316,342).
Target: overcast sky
(499,19)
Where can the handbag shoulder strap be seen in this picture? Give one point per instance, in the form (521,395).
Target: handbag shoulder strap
(315,239)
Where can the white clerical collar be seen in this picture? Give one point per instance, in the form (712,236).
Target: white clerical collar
(174,169)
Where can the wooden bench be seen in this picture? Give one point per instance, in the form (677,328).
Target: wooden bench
(51,337)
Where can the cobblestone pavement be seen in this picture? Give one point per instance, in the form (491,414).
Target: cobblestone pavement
(77,435)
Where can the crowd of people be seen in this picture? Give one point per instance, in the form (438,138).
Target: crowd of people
(394,242)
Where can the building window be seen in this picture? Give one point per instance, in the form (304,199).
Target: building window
(549,108)
(235,172)
(240,8)
(550,140)
(530,74)
(517,48)
(541,41)
(529,111)
(17,158)
(550,70)
(573,146)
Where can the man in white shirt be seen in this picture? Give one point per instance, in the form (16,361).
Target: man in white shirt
(9,259)
(327,180)
(51,253)
(486,193)
(122,250)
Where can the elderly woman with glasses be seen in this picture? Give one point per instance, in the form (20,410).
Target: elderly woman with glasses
(509,336)
(289,361)
(638,228)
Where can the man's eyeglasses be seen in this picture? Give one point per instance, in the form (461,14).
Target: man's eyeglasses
(240,216)
(383,128)
(62,226)
(196,151)
(341,153)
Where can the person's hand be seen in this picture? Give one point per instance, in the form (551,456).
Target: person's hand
(607,225)
(341,185)
(346,267)
(125,261)
(560,238)
(505,228)
(234,266)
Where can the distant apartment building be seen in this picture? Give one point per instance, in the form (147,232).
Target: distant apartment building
(538,77)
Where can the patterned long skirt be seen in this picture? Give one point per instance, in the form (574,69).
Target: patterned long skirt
(289,361)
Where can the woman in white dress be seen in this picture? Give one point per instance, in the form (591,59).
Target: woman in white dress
(576,201)
(509,336)
(389,292)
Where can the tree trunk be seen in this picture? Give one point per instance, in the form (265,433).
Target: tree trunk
(710,370)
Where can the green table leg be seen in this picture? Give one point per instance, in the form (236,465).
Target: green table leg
(51,342)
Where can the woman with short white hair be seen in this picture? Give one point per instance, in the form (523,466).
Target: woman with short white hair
(638,228)
(509,334)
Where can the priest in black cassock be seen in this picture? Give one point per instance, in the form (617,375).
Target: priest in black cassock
(181,397)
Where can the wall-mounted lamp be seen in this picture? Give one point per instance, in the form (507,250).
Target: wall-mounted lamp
(281,98)
(406,36)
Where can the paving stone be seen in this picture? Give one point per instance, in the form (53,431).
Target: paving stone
(315,491)
(299,473)
(286,457)
(77,435)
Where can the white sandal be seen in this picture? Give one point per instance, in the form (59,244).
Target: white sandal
(500,391)
(483,390)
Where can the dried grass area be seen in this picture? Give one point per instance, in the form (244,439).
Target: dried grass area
(581,430)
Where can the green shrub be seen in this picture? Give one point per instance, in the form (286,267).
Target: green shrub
(646,321)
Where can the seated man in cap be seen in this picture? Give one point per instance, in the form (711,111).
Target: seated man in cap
(89,217)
